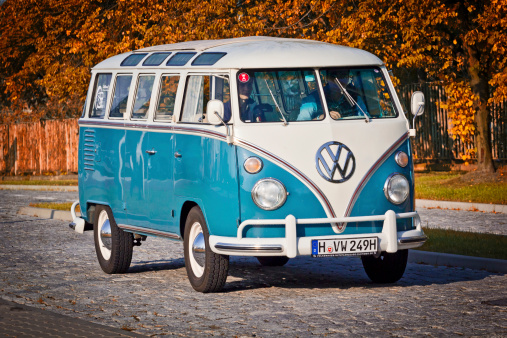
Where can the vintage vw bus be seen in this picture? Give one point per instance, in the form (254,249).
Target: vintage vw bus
(256,146)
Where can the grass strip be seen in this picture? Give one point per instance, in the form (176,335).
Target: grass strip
(450,187)
(41,182)
(465,243)
(55,206)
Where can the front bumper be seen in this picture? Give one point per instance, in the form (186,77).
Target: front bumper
(291,246)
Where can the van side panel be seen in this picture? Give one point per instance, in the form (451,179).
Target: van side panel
(100,166)
(136,177)
(206,173)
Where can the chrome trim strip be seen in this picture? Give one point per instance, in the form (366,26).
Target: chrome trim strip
(149,231)
(372,170)
(249,247)
(420,239)
(168,127)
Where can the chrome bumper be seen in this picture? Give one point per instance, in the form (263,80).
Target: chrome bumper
(291,246)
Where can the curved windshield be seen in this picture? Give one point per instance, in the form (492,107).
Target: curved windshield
(279,96)
(356,93)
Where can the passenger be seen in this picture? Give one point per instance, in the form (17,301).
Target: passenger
(337,103)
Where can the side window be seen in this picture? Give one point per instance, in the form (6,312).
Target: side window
(120,96)
(100,95)
(199,90)
(143,96)
(167,97)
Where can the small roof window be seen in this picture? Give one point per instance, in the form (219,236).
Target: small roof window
(180,59)
(133,60)
(156,59)
(207,59)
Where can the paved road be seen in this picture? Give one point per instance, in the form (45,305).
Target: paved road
(45,265)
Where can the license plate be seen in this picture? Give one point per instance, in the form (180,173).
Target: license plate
(344,247)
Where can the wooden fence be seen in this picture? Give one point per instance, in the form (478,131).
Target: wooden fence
(37,148)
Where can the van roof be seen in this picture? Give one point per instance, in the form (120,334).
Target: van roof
(258,52)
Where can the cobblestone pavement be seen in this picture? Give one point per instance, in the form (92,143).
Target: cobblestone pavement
(45,265)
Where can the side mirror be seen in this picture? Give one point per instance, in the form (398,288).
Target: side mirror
(214,108)
(417,103)
(417,108)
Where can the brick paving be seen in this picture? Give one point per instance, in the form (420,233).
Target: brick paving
(46,266)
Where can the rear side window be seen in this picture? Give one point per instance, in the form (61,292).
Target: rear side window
(143,96)
(199,90)
(100,95)
(120,96)
(167,97)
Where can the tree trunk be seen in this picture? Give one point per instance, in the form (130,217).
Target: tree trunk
(479,84)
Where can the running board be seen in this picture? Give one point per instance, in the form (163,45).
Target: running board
(141,230)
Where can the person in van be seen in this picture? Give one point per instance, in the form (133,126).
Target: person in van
(338,104)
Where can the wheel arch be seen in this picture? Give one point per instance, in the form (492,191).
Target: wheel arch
(185,209)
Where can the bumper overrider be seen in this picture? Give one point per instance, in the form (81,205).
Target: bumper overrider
(390,240)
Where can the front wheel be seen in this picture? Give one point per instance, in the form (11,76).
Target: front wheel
(206,270)
(387,268)
(112,245)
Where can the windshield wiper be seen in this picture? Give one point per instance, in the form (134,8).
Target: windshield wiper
(350,99)
(276,104)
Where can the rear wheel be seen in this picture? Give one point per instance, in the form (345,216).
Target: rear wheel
(387,268)
(112,245)
(206,270)
(272,260)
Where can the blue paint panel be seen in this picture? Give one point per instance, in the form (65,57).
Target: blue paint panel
(101,184)
(372,201)
(301,202)
(206,174)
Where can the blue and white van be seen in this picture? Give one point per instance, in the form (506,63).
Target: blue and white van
(257,146)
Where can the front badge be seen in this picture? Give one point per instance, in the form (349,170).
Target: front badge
(335,162)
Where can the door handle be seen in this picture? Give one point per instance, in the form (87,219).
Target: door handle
(151,152)
(177,155)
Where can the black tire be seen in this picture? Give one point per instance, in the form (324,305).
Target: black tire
(388,268)
(272,260)
(206,270)
(114,253)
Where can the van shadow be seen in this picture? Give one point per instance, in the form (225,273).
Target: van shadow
(158,265)
(245,273)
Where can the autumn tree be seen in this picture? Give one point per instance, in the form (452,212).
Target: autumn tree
(49,46)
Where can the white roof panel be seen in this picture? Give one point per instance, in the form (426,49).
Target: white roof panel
(263,52)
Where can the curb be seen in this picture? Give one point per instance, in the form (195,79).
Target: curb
(65,188)
(414,256)
(443,259)
(461,206)
(46,213)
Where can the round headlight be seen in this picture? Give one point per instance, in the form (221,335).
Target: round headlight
(269,194)
(252,165)
(401,158)
(397,188)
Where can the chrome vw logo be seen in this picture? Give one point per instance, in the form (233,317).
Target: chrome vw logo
(335,162)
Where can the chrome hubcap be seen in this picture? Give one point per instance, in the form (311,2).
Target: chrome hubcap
(105,235)
(198,249)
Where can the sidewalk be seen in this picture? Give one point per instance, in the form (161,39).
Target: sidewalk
(17,320)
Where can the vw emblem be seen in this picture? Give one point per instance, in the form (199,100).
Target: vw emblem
(335,162)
